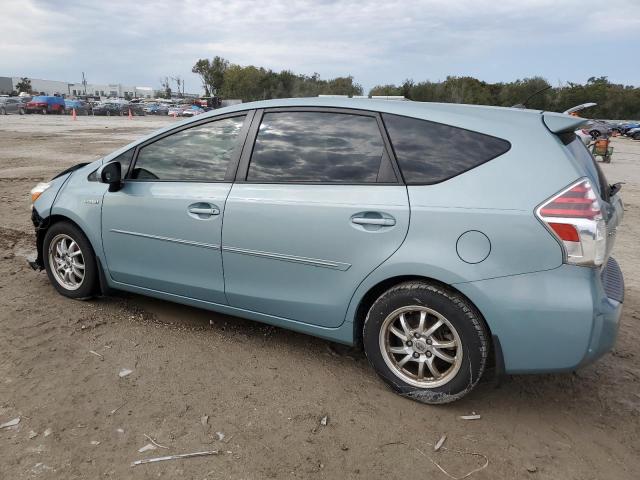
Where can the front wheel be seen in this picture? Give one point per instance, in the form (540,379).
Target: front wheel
(426,342)
(70,261)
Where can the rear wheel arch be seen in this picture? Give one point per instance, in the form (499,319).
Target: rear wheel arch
(369,298)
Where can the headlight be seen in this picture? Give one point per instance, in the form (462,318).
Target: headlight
(38,190)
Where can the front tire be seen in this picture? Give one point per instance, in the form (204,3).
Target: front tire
(69,261)
(426,342)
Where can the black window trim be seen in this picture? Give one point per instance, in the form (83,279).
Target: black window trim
(233,161)
(245,160)
(417,184)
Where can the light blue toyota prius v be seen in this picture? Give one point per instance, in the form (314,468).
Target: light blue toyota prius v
(445,239)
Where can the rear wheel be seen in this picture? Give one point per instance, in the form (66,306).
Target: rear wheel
(594,134)
(426,342)
(44,111)
(3,111)
(70,262)
(22,111)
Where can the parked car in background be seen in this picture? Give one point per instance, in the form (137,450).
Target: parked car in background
(634,133)
(46,104)
(627,127)
(175,110)
(136,108)
(81,107)
(12,105)
(107,108)
(192,111)
(597,129)
(370,222)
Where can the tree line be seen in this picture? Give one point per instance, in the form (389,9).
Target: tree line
(228,80)
(249,83)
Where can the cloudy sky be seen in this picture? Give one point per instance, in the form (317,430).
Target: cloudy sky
(138,42)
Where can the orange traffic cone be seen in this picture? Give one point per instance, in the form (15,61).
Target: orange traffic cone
(73,115)
(130,116)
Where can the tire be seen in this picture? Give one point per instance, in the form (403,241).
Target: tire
(461,327)
(71,285)
(636,136)
(44,111)
(22,111)
(594,134)
(4,112)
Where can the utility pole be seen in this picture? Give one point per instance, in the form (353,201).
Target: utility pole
(84,83)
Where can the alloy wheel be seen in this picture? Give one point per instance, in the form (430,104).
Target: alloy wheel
(420,346)
(66,261)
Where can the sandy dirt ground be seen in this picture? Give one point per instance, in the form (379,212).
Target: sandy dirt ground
(257,394)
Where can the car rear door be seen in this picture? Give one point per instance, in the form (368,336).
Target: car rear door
(317,205)
(162,230)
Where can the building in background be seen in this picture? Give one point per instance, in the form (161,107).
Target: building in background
(54,87)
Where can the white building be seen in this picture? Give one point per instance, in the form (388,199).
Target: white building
(54,87)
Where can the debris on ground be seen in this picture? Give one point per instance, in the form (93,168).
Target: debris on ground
(204,420)
(32,434)
(10,423)
(470,417)
(120,430)
(124,372)
(117,408)
(436,464)
(95,442)
(147,447)
(47,432)
(96,354)
(324,421)
(439,443)
(532,468)
(220,436)
(154,442)
(174,457)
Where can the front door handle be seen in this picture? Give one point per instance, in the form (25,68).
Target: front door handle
(384,222)
(203,210)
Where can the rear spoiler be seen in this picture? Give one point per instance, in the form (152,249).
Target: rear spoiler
(561,123)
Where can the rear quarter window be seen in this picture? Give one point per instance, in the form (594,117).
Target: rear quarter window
(430,152)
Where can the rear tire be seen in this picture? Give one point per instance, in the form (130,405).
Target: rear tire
(426,342)
(44,111)
(594,134)
(69,261)
(4,112)
(22,111)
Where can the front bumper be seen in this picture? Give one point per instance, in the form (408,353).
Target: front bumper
(39,224)
(552,321)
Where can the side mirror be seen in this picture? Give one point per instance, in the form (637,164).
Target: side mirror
(111,173)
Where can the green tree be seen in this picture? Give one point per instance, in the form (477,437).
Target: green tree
(211,73)
(24,85)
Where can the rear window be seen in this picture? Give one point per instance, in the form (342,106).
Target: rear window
(430,152)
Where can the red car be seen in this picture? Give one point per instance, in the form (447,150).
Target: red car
(46,104)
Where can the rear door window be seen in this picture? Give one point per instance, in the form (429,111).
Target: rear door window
(430,152)
(319,147)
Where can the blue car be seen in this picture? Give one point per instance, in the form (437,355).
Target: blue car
(445,239)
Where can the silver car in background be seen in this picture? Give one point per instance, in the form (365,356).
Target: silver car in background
(12,105)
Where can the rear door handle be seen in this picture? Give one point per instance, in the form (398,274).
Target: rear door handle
(384,222)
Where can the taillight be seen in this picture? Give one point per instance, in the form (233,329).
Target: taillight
(574,216)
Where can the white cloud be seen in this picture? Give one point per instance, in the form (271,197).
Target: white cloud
(377,42)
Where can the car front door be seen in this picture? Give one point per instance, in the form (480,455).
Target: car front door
(317,205)
(162,229)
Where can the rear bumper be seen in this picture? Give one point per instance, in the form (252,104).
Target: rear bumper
(552,321)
